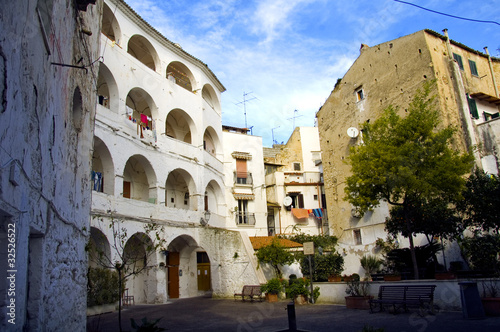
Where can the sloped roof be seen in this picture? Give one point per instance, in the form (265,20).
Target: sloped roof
(262,241)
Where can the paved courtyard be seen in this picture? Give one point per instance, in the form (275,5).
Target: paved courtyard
(206,314)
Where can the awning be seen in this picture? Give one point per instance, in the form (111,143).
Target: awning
(272,204)
(486,97)
(241,155)
(243,196)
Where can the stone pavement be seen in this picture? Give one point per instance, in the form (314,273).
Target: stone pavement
(207,314)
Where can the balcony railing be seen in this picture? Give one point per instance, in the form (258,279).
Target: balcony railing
(247,180)
(245,218)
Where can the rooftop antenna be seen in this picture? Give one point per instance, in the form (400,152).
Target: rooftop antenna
(293,118)
(272,131)
(244,102)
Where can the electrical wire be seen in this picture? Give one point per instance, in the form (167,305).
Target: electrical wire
(449,15)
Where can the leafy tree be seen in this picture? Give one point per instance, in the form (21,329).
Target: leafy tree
(323,266)
(482,252)
(326,242)
(406,161)
(480,205)
(130,256)
(275,255)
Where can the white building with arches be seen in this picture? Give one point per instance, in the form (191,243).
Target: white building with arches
(158,158)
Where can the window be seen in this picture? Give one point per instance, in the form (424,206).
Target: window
(297,200)
(473,108)
(296,166)
(360,95)
(241,171)
(315,197)
(242,216)
(458,59)
(357,236)
(473,68)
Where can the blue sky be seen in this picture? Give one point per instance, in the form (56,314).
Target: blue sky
(288,54)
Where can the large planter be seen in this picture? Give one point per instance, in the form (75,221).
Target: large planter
(300,299)
(491,306)
(334,279)
(271,297)
(392,277)
(357,302)
(444,275)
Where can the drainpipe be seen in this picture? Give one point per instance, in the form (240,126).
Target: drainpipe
(492,73)
(463,104)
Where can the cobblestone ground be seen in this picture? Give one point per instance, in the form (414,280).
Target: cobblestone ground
(206,314)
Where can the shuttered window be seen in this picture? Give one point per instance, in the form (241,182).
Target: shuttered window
(241,168)
(473,68)
(458,59)
(473,108)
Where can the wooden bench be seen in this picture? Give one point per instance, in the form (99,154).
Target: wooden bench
(251,292)
(403,297)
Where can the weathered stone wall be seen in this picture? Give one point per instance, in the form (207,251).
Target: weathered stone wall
(46,130)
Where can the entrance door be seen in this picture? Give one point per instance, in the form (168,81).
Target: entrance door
(173,275)
(203,271)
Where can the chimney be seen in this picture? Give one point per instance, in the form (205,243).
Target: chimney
(363,47)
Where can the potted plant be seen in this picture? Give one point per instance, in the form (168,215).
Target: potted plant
(491,297)
(358,294)
(298,290)
(371,264)
(272,288)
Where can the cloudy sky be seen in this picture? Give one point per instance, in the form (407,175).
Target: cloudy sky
(286,55)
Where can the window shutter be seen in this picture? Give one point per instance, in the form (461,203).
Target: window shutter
(301,201)
(473,108)
(458,58)
(241,168)
(473,68)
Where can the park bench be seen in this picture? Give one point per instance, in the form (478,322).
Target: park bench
(404,297)
(251,292)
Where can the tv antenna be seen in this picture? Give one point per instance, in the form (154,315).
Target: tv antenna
(272,131)
(294,117)
(244,102)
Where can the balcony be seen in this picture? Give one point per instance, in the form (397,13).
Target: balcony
(245,219)
(248,180)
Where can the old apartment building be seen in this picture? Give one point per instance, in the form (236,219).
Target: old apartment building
(158,158)
(294,185)
(389,74)
(48,77)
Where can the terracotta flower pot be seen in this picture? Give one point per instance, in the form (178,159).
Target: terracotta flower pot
(271,297)
(357,302)
(392,277)
(300,299)
(491,306)
(334,279)
(444,275)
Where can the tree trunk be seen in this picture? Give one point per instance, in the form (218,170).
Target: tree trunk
(410,238)
(120,299)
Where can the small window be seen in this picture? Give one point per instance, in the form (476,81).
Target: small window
(296,166)
(360,95)
(458,59)
(315,197)
(473,68)
(473,108)
(297,200)
(357,236)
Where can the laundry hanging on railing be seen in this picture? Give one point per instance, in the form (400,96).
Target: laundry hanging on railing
(300,213)
(318,213)
(97,181)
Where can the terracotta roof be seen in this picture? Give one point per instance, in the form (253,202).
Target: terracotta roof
(262,241)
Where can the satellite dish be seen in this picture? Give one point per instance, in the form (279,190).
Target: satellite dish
(352,132)
(287,201)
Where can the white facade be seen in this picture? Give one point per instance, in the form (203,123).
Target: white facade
(47,110)
(296,172)
(245,193)
(158,158)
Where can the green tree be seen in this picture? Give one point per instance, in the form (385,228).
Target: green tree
(275,255)
(130,256)
(406,161)
(480,205)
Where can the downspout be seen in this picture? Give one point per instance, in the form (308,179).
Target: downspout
(319,206)
(463,104)
(492,73)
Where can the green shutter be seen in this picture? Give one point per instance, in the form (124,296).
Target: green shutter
(458,58)
(473,68)
(473,108)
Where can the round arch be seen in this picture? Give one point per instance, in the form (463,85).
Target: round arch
(103,178)
(107,89)
(179,188)
(142,49)
(211,141)
(214,197)
(139,259)
(139,180)
(99,249)
(141,108)
(180,126)
(180,74)
(210,97)
(110,27)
